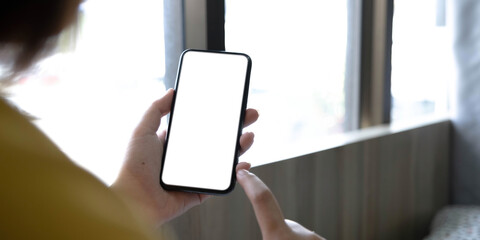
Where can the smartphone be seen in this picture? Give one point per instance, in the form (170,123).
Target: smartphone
(205,123)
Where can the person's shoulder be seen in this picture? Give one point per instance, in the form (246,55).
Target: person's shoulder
(18,135)
(46,193)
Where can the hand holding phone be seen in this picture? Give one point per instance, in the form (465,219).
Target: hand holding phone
(138,178)
(201,150)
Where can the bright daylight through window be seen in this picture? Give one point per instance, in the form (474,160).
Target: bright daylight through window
(298,74)
(89,96)
(422,59)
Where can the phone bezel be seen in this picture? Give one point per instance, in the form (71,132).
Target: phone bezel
(239,132)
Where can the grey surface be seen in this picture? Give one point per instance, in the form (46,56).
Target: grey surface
(466,146)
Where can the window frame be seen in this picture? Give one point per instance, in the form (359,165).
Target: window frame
(376,63)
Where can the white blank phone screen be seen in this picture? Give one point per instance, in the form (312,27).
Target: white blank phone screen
(204,125)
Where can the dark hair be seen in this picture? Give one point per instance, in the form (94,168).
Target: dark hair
(29,28)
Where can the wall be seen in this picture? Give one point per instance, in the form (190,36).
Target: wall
(383,188)
(466,171)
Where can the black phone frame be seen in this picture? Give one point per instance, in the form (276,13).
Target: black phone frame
(169,187)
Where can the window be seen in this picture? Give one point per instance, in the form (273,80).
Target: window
(88,100)
(305,78)
(422,59)
(298,75)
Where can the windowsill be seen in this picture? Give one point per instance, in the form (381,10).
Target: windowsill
(338,140)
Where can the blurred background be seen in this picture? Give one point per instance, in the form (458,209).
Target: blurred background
(372,103)
(305,78)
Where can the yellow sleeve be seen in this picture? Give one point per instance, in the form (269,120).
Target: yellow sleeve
(43,195)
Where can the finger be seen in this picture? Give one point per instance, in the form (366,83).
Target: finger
(251,116)
(301,231)
(162,136)
(297,228)
(243,165)
(246,141)
(204,197)
(190,199)
(268,213)
(151,120)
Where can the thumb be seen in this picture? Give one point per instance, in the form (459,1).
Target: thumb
(151,120)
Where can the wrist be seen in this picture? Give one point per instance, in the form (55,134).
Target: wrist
(139,207)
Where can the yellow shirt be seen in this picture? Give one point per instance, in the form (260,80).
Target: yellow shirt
(43,195)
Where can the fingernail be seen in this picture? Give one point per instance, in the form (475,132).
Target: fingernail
(242,172)
(249,164)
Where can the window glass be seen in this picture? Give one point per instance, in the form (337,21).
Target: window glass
(422,59)
(90,95)
(297,83)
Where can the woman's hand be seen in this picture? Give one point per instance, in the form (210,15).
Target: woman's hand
(269,215)
(139,177)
